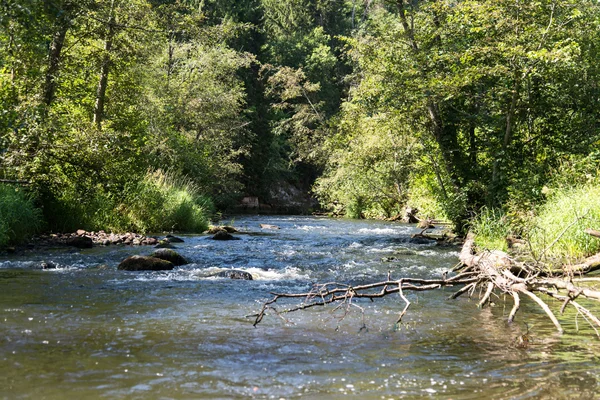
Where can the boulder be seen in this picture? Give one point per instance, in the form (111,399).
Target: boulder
(223,235)
(214,229)
(164,244)
(143,263)
(81,242)
(173,239)
(48,265)
(150,241)
(170,255)
(233,274)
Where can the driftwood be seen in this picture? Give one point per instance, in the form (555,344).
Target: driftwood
(490,271)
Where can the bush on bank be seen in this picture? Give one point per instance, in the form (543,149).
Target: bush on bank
(158,201)
(19,218)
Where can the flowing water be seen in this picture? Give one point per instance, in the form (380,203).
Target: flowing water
(86,330)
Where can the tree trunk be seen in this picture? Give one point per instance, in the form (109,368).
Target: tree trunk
(58,41)
(104,71)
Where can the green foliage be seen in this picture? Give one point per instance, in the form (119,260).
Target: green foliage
(19,218)
(558,229)
(369,168)
(163,202)
(158,202)
(491,227)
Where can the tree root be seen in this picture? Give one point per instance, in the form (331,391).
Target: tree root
(491,272)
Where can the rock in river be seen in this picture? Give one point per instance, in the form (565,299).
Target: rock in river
(173,239)
(164,244)
(143,263)
(234,274)
(170,255)
(223,235)
(81,242)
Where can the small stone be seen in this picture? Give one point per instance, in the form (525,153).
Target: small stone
(80,232)
(48,265)
(164,244)
(234,274)
(150,241)
(174,239)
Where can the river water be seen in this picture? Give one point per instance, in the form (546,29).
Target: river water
(86,330)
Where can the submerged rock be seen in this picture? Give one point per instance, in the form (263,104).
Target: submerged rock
(144,263)
(164,244)
(421,240)
(405,252)
(170,255)
(234,274)
(174,239)
(223,235)
(47,265)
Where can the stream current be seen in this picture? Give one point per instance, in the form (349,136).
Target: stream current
(87,330)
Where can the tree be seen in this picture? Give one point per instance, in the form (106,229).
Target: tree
(476,79)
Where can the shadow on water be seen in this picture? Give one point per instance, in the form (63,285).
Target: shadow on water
(86,330)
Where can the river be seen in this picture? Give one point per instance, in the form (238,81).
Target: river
(87,330)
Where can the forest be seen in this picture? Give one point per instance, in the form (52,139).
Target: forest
(156,115)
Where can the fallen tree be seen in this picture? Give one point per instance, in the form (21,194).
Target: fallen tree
(489,271)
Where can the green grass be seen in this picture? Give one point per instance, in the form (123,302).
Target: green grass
(491,228)
(165,202)
(555,232)
(158,202)
(558,229)
(19,218)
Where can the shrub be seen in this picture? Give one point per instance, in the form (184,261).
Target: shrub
(19,218)
(157,202)
(165,202)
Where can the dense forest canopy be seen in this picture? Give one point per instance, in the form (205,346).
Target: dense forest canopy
(116,111)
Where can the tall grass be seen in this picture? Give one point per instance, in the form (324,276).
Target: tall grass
(558,229)
(158,201)
(491,227)
(163,201)
(19,218)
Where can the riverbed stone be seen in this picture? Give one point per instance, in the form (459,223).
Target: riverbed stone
(81,242)
(170,255)
(234,274)
(164,244)
(223,235)
(174,239)
(421,240)
(145,263)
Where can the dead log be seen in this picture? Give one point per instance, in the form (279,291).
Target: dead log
(592,232)
(492,271)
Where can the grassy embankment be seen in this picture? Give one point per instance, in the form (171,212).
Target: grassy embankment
(158,202)
(554,231)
